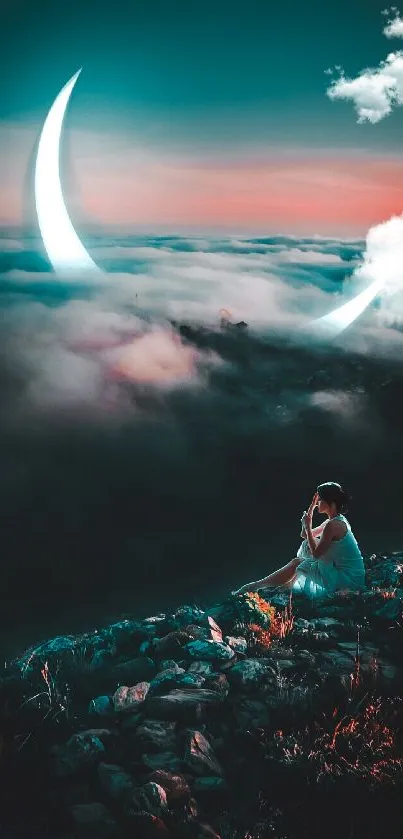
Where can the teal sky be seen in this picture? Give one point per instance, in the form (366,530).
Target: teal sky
(211,114)
(215,73)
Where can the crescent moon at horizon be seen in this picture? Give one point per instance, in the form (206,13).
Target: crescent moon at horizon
(66,252)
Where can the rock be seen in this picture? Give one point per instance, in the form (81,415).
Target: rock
(327,623)
(219,683)
(174,784)
(171,678)
(146,826)
(136,670)
(129,632)
(210,785)
(209,650)
(170,664)
(117,783)
(180,702)
(162,760)
(251,714)
(152,798)
(173,644)
(156,735)
(249,672)
(337,662)
(215,630)
(93,821)
(129,699)
(306,657)
(102,706)
(199,755)
(202,667)
(55,646)
(391,610)
(239,645)
(82,751)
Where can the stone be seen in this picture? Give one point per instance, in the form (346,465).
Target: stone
(92,820)
(239,645)
(209,650)
(173,644)
(127,632)
(175,678)
(130,698)
(337,661)
(249,672)
(156,735)
(219,683)
(117,783)
(152,798)
(162,760)
(327,623)
(204,668)
(210,785)
(199,755)
(170,664)
(136,670)
(179,702)
(251,714)
(391,610)
(82,751)
(102,706)
(174,784)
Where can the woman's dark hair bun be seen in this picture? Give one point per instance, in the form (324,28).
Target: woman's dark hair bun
(333,493)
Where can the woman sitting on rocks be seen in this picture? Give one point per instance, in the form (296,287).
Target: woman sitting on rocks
(329,558)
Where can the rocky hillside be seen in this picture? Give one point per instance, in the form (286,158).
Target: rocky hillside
(252,719)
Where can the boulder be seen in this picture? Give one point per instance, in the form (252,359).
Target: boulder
(174,784)
(130,698)
(81,752)
(174,678)
(251,714)
(250,672)
(102,706)
(199,755)
(204,668)
(136,670)
(209,650)
(162,760)
(152,798)
(179,703)
(209,786)
(156,736)
(239,645)
(117,783)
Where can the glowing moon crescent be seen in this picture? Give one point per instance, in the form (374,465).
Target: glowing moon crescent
(63,247)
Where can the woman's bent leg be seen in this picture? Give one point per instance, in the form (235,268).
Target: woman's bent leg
(283,576)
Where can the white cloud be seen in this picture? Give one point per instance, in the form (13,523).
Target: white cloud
(394,28)
(374,92)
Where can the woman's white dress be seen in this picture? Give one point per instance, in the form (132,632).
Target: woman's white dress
(341,567)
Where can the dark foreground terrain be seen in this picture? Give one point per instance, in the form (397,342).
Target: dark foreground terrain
(250,719)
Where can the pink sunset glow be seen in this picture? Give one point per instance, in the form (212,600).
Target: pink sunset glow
(112,186)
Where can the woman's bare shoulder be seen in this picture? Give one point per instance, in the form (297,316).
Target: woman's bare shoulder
(337,527)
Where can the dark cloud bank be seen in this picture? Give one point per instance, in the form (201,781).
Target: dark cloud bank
(149,455)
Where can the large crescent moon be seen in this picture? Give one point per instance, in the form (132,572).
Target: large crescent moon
(63,247)
(68,255)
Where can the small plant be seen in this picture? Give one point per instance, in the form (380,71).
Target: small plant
(253,609)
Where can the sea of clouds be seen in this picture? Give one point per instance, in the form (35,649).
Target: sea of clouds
(148,445)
